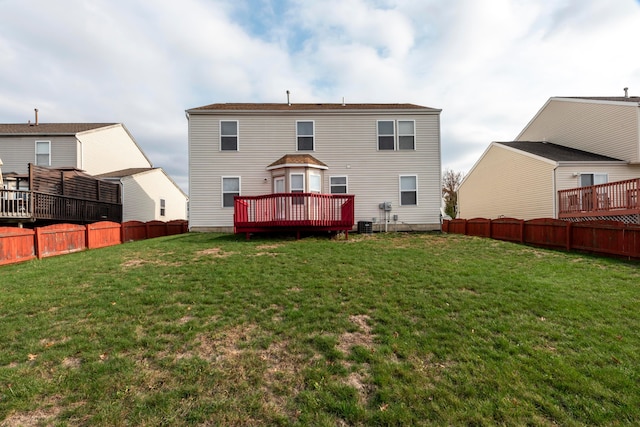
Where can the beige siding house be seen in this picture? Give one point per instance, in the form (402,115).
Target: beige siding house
(97,149)
(149,194)
(570,143)
(377,152)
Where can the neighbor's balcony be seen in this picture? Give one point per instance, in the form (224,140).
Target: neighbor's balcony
(611,199)
(20,205)
(293,212)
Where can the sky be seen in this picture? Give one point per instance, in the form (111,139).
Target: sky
(490,65)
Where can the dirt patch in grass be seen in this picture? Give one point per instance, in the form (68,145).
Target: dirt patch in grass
(215,253)
(363,337)
(271,246)
(71,362)
(41,416)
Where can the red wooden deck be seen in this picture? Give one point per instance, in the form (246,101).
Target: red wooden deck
(293,212)
(618,198)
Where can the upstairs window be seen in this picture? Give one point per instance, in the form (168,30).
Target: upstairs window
(305,137)
(338,184)
(408,190)
(162,207)
(230,188)
(386,135)
(43,153)
(406,135)
(229,135)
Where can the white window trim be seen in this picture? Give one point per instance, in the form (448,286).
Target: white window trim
(313,135)
(163,207)
(378,134)
(222,192)
(35,148)
(346,184)
(606,175)
(400,188)
(237,135)
(399,135)
(291,189)
(319,182)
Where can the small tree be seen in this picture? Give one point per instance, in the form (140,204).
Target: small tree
(450,182)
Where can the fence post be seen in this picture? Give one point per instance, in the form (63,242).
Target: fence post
(569,238)
(522,231)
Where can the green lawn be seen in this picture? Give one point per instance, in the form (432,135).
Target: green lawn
(395,329)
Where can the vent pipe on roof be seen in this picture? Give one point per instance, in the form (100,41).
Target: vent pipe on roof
(343,104)
(626,92)
(36,110)
(288,102)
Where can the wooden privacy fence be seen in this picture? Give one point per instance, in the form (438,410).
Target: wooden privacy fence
(21,244)
(597,237)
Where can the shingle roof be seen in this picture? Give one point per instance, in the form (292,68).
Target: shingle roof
(634,99)
(49,128)
(297,159)
(124,172)
(556,152)
(306,107)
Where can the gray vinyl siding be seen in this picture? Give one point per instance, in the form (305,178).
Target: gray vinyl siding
(346,143)
(609,129)
(17,152)
(567,175)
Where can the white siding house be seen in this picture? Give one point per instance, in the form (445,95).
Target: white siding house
(149,194)
(377,152)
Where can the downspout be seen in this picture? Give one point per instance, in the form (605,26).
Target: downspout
(555,192)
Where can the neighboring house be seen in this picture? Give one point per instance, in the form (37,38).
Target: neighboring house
(377,152)
(96,149)
(578,158)
(152,194)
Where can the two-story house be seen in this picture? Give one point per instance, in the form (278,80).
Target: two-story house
(96,149)
(386,155)
(577,159)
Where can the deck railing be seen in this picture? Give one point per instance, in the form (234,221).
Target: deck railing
(31,205)
(16,204)
(293,211)
(618,198)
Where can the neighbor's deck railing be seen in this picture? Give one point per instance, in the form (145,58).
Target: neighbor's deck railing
(16,204)
(295,211)
(31,205)
(619,198)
